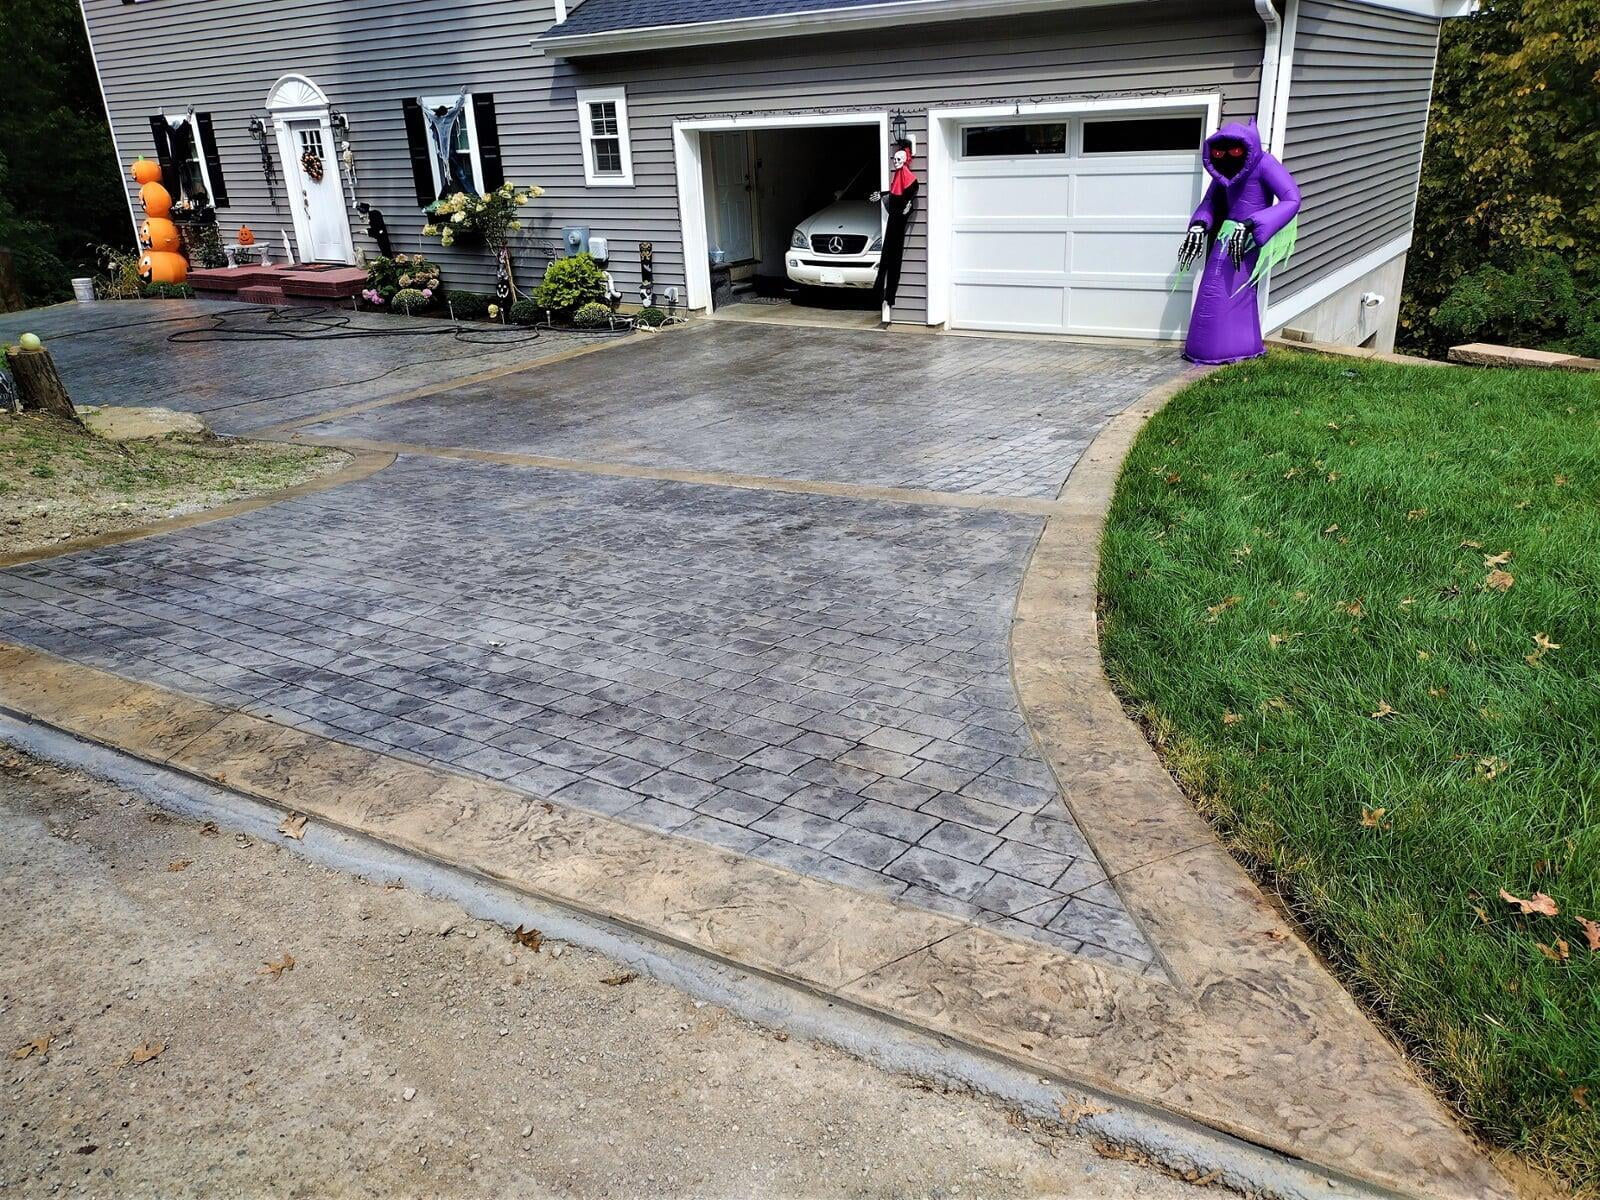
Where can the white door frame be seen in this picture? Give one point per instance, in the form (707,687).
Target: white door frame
(296,98)
(690,161)
(943,126)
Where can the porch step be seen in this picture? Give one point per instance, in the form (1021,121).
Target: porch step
(323,283)
(261,294)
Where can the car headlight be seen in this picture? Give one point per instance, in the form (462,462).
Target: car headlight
(797,239)
(877,243)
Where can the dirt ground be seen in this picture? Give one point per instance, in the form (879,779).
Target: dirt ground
(306,1033)
(57,482)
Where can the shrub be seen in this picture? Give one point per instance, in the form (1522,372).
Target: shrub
(386,276)
(121,280)
(592,316)
(570,283)
(470,306)
(410,300)
(1539,303)
(526,312)
(651,317)
(167,291)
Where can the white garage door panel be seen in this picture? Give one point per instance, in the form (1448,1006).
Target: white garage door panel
(1008,306)
(1067,243)
(1019,250)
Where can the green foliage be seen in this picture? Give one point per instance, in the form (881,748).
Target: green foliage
(1300,543)
(60,190)
(202,244)
(386,276)
(526,312)
(470,306)
(409,300)
(570,283)
(166,291)
(119,276)
(592,316)
(651,317)
(1513,148)
(1537,303)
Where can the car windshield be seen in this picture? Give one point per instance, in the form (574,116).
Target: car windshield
(860,185)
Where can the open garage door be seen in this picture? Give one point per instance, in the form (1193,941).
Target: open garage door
(1071,224)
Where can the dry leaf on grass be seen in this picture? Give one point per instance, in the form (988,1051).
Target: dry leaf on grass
(1497,560)
(140,1055)
(1558,955)
(39,1046)
(531,938)
(276,969)
(180,864)
(1231,718)
(1469,544)
(619,980)
(293,826)
(1498,581)
(1385,710)
(1492,768)
(1580,1097)
(1591,933)
(1537,903)
(1372,818)
(1274,640)
(1213,611)
(1416,514)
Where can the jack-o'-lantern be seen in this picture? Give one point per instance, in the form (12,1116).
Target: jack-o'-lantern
(156,199)
(158,233)
(146,170)
(246,237)
(163,266)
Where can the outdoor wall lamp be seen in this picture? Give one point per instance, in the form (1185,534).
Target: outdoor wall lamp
(897,127)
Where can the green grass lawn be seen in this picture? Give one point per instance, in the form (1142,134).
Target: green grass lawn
(1358,606)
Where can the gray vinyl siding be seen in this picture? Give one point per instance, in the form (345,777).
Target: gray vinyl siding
(222,57)
(1358,115)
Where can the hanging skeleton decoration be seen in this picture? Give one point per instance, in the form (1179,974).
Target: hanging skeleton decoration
(900,201)
(1249,217)
(443,121)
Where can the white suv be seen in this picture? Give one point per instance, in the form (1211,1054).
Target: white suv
(838,246)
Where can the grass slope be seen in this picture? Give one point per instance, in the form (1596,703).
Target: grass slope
(1299,595)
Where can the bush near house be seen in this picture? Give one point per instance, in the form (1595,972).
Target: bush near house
(469,306)
(526,312)
(386,276)
(592,316)
(1355,607)
(570,283)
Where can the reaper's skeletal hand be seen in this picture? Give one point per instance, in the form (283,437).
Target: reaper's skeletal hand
(1194,245)
(1238,245)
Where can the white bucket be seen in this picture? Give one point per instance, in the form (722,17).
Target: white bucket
(83,290)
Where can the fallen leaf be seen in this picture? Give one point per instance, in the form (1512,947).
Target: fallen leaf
(209,829)
(1231,718)
(1497,560)
(1482,915)
(1353,607)
(180,864)
(1213,611)
(1469,544)
(619,980)
(1580,1097)
(1557,955)
(1591,933)
(38,1046)
(1331,529)
(1416,514)
(1078,1110)
(143,1054)
(397,885)
(1438,693)
(1537,903)
(531,938)
(1372,818)
(1274,640)
(276,969)
(1408,602)
(1174,478)
(1561,481)
(294,826)
(1384,710)
(1278,703)
(1492,767)
(1276,935)
(1333,477)
(1521,504)
(1498,581)
(1423,656)
(1544,643)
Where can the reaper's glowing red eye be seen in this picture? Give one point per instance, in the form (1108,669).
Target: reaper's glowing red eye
(1219,152)
(1237,152)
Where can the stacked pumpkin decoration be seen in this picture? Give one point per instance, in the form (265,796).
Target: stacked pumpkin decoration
(161,262)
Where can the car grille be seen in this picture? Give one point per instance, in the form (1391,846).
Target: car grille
(838,243)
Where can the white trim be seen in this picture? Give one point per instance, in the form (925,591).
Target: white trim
(133,215)
(1271,60)
(1287,310)
(943,124)
(618,95)
(296,98)
(470,117)
(1285,69)
(1439,10)
(561,11)
(837,20)
(688,159)
(296,95)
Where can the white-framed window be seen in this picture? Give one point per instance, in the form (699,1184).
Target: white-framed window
(193,181)
(603,128)
(465,163)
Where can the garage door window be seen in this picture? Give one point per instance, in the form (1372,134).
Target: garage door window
(1153,135)
(1013,141)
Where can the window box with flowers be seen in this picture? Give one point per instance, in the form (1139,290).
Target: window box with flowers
(490,217)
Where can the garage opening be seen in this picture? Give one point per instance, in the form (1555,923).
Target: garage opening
(790,230)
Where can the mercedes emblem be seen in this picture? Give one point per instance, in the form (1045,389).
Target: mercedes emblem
(836,245)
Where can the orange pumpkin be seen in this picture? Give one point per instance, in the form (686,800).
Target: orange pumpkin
(246,238)
(162,266)
(156,199)
(158,233)
(146,170)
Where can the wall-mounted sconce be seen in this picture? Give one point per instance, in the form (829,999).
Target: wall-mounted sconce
(897,127)
(258,132)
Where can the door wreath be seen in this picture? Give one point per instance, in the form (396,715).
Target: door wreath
(311,163)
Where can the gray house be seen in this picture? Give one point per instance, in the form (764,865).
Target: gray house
(1056,139)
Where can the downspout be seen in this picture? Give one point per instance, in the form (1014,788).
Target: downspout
(1271,64)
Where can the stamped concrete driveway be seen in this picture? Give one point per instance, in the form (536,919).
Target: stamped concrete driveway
(749,585)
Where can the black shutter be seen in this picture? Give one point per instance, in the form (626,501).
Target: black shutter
(163,139)
(421,156)
(208,151)
(488,129)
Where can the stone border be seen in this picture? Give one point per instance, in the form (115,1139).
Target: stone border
(362,464)
(1252,1038)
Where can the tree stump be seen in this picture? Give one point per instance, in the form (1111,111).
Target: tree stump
(39,386)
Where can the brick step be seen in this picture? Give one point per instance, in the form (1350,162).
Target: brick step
(324,283)
(261,294)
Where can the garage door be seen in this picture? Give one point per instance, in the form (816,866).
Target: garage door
(1072,225)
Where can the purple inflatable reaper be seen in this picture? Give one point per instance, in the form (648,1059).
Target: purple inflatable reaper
(1249,215)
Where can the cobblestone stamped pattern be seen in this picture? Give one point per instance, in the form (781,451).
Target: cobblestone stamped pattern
(990,416)
(818,682)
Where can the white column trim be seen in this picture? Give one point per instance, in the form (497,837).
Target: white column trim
(111,125)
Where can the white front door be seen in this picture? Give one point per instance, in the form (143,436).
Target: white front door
(1071,224)
(323,227)
(733,189)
